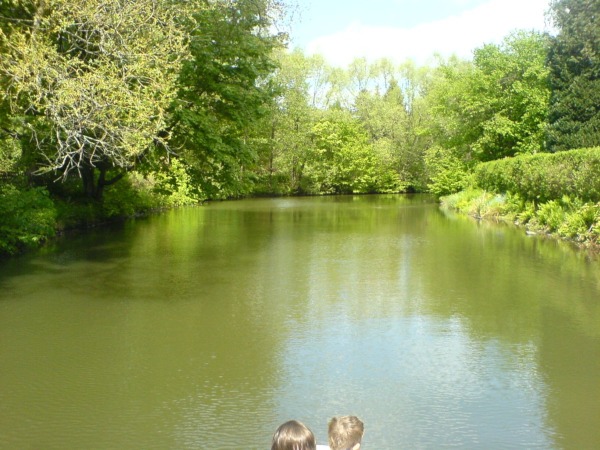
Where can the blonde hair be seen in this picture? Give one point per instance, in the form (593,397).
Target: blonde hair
(293,435)
(345,432)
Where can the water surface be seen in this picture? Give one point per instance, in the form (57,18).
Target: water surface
(208,327)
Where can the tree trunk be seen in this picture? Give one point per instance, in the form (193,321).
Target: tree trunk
(94,188)
(88,182)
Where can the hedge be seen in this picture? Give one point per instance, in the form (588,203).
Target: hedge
(544,176)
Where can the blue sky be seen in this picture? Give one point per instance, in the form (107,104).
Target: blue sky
(401,29)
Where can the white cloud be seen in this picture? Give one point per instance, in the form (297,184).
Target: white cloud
(461,34)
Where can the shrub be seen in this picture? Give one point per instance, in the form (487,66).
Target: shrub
(447,173)
(526,214)
(27,218)
(127,198)
(580,223)
(513,205)
(174,183)
(476,203)
(550,215)
(461,201)
(544,176)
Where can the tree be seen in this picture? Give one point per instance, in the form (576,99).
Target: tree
(513,91)
(319,73)
(293,115)
(225,90)
(343,161)
(384,117)
(90,85)
(495,106)
(15,15)
(574,61)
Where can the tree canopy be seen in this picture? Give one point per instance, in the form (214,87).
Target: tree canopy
(574,62)
(90,85)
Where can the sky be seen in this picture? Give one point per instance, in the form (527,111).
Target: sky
(341,30)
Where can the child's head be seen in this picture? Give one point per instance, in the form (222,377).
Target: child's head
(345,432)
(293,435)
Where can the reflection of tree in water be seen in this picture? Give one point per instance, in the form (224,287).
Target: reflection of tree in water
(527,291)
(188,324)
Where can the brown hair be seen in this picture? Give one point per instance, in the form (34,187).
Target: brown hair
(293,435)
(345,432)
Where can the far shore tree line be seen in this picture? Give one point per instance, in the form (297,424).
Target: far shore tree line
(115,107)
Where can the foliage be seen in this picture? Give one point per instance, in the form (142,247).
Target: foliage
(128,199)
(174,184)
(496,106)
(90,86)
(224,92)
(567,218)
(476,203)
(311,148)
(343,161)
(447,173)
(545,176)
(582,223)
(27,218)
(511,84)
(517,210)
(550,215)
(487,109)
(289,142)
(395,119)
(574,62)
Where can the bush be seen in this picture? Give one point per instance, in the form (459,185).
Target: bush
(461,201)
(447,173)
(175,185)
(526,214)
(544,176)
(550,215)
(127,198)
(580,223)
(27,218)
(476,203)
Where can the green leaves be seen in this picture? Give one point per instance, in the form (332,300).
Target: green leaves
(103,78)
(224,92)
(574,62)
(27,218)
(545,176)
(497,107)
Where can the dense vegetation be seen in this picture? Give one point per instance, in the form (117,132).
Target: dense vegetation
(556,193)
(117,107)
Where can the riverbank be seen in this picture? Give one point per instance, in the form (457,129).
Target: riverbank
(32,216)
(569,219)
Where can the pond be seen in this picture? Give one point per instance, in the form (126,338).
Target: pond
(208,327)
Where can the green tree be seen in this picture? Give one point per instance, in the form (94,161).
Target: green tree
(496,106)
(225,90)
(15,16)
(452,108)
(574,61)
(512,89)
(299,81)
(89,86)
(491,108)
(384,117)
(343,160)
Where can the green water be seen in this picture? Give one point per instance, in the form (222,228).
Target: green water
(207,327)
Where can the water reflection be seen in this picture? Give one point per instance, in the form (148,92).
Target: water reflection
(207,327)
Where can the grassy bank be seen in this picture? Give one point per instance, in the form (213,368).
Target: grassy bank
(566,218)
(556,194)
